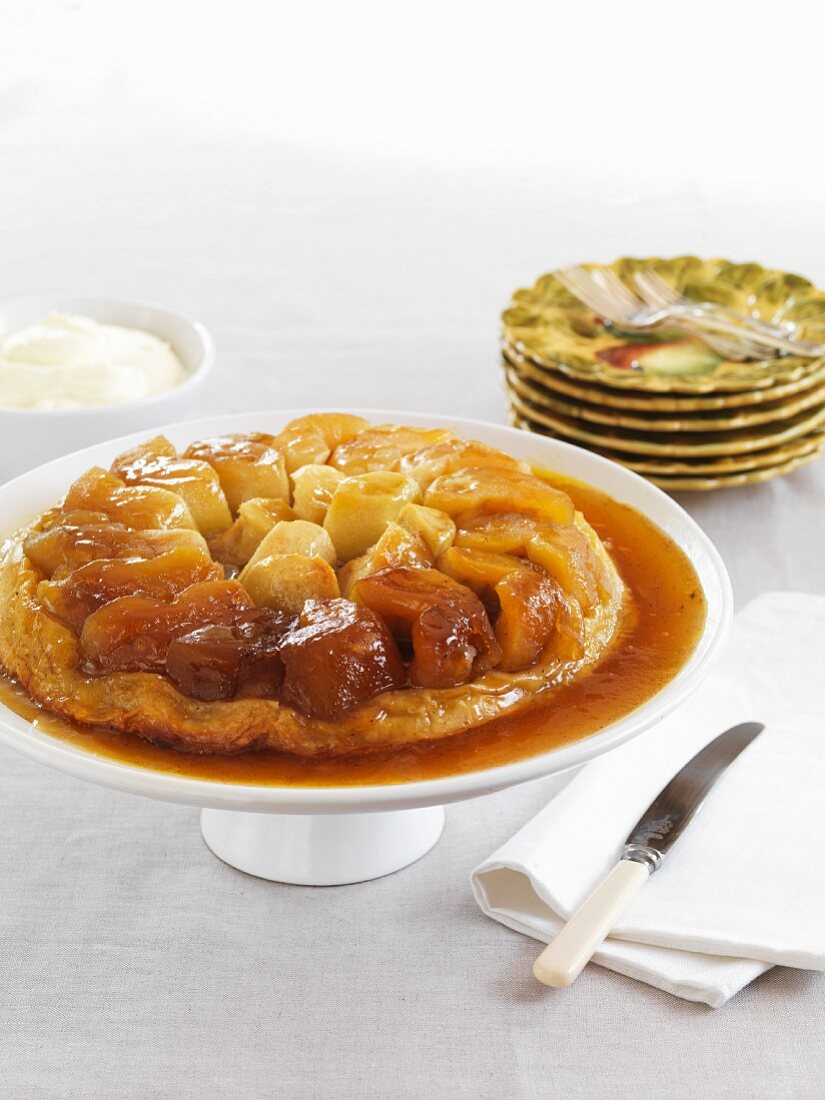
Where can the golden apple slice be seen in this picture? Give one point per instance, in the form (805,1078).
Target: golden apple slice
(480,570)
(60,550)
(75,517)
(383,447)
(335,428)
(526,624)
(488,490)
(309,440)
(568,643)
(249,465)
(435,528)
(139,506)
(313,488)
(255,519)
(294,536)
(363,505)
(455,454)
(506,533)
(565,554)
(285,582)
(523,600)
(396,547)
(157,463)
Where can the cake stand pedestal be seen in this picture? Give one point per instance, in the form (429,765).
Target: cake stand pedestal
(321,849)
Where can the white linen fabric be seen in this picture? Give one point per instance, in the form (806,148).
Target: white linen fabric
(744,888)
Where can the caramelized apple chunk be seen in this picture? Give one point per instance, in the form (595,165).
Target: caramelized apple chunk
(565,553)
(249,465)
(285,582)
(227,660)
(488,490)
(396,547)
(133,633)
(256,518)
(505,533)
(310,439)
(569,642)
(480,570)
(302,444)
(139,506)
(295,536)
(524,601)
(74,597)
(293,564)
(435,528)
(336,428)
(383,447)
(336,656)
(362,506)
(526,623)
(455,454)
(313,487)
(75,517)
(62,549)
(452,639)
(157,463)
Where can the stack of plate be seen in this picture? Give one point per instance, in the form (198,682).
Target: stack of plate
(664,404)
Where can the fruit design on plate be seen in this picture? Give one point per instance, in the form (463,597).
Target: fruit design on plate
(332,587)
(550,327)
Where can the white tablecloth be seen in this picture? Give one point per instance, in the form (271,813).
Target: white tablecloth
(132,962)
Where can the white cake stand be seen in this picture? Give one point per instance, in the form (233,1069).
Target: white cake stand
(328,836)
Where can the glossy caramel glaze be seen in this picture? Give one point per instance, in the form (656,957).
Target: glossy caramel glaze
(669,614)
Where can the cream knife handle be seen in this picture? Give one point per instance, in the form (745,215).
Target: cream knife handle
(564,958)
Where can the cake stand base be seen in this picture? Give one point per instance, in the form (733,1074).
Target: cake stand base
(321,849)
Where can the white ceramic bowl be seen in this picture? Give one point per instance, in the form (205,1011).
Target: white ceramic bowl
(300,842)
(31,437)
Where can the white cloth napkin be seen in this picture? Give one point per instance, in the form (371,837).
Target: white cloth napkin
(744,888)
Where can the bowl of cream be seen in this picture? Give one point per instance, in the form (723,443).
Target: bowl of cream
(74,371)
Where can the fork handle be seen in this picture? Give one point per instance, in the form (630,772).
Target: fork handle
(564,958)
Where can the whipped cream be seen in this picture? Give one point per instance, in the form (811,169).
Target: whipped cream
(70,362)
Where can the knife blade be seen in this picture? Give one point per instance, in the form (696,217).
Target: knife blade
(648,844)
(672,810)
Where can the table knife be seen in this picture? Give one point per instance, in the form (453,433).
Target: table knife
(644,851)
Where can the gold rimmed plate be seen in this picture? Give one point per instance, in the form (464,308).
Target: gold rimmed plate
(812,444)
(734,481)
(716,421)
(552,378)
(549,325)
(688,444)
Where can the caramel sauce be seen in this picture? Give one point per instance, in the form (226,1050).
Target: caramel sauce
(669,614)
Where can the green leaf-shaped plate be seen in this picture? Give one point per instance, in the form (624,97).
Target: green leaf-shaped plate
(550,326)
(645,401)
(721,420)
(672,444)
(811,444)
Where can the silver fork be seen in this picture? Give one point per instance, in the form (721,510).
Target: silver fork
(604,292)
(659,293)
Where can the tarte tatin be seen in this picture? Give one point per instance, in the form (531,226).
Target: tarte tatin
(335,587)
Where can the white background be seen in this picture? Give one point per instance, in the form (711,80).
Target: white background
(346,195)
